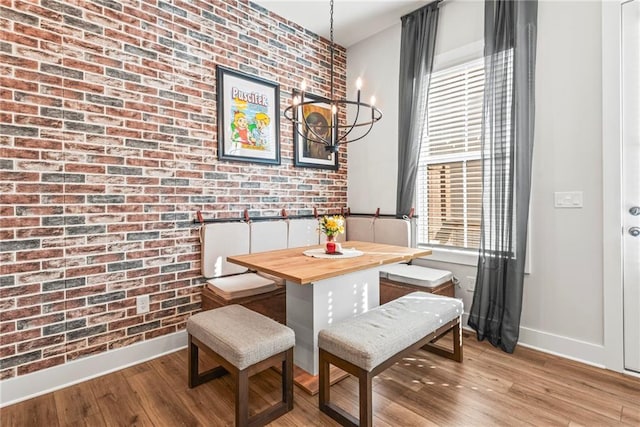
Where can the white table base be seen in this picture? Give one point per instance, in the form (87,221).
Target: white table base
(313,307)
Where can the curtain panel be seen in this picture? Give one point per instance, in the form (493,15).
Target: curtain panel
(507,147)
(417,48)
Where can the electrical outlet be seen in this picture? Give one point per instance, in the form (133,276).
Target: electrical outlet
(470,284)
(142,304)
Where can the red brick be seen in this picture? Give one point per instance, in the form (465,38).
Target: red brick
(20,268)
(40,364)
(14,38)
(18,84)
(18,62)
(42,254)
(19,336)
(37,33)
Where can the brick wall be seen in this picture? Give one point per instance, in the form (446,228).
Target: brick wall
(109,147)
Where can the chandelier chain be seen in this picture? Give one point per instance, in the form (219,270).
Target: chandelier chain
(331,133)
(331,50)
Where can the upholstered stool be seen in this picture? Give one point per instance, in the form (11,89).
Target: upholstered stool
(243,342)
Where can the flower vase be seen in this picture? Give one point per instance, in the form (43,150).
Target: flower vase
(330,245)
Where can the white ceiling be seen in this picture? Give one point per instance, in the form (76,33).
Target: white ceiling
(354,20)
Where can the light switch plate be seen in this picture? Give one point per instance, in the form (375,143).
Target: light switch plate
(568,199)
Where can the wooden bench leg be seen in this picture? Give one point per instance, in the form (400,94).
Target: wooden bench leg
(456,352)
(325,382)
(326,359)
(287,380)
(195,377)
(365,380)
(242,398)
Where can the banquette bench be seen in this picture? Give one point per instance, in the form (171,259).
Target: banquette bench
(229,283)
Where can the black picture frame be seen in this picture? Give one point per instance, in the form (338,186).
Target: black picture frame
(312,154)
(248,113)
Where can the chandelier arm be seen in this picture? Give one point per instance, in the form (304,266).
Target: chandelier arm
(298,123)
(360,137)
(355,121)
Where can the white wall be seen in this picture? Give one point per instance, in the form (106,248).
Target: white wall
(373,161)
(563,299)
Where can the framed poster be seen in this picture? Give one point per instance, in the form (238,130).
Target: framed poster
(248,118)
(308,153)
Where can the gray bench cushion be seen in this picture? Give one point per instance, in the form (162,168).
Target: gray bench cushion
(241,336)
(372,337)
(416,275)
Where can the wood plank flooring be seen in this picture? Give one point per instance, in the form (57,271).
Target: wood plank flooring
(490,388)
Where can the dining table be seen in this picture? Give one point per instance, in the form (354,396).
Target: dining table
(322,288)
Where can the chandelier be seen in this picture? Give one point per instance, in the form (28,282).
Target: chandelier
(331,133)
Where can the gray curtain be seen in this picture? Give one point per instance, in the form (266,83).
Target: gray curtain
(416,62)
(507,145)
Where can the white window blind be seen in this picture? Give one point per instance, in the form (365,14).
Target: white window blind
(449,187)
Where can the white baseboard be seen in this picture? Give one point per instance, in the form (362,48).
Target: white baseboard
(569,348)
(35,384)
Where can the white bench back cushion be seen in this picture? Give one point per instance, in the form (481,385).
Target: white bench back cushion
(220,240)
(268,236)
(360,228)
(392,231)
(303,232)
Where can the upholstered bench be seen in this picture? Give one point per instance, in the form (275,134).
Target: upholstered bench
(367,344)
(244,343)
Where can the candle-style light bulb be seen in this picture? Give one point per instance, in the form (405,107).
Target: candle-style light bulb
(334,109)
(303,85)
(358,83)
(373,100)
(296,100)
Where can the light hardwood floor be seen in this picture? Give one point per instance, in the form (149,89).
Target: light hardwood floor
(490,388)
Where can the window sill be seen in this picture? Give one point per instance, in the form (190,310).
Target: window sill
(463,257)
(452,256)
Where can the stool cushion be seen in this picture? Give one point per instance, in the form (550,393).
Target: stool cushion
(241,285)
(241,336)
(417,275)
(370,338)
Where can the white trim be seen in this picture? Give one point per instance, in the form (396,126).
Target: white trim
(453,256)
(569,348)
(41,382)
(458,56)
(613,357)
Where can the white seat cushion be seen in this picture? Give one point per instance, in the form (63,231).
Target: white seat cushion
(417,275)
(241,336)
(370,338)
(241,285)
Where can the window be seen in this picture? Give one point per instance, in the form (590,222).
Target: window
(449,187)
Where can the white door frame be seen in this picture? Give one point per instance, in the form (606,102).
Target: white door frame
(612,186)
